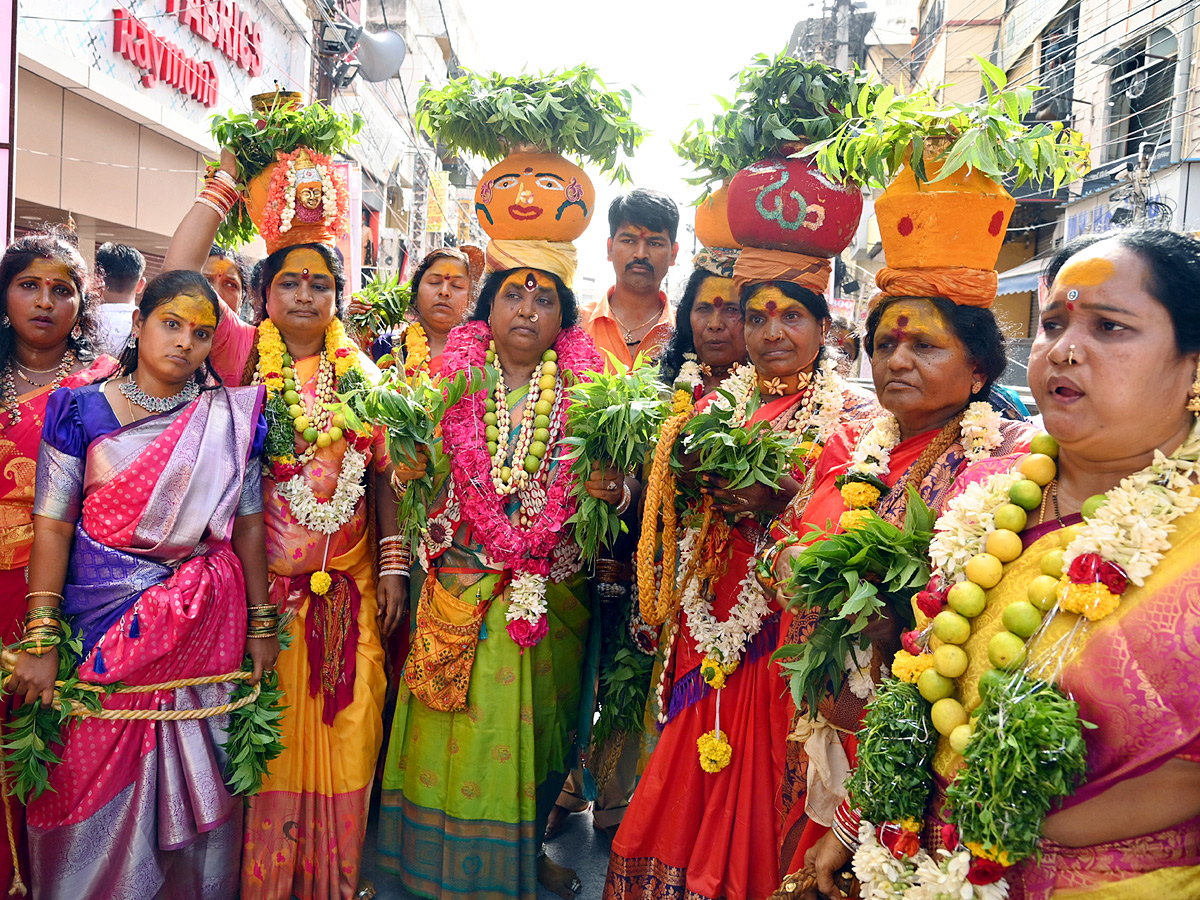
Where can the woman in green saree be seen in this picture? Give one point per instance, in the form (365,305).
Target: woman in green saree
(485,723)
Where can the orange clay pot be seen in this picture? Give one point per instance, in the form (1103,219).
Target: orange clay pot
(300,233)
(785,203)
(712,220)
(958,221)
(534,196)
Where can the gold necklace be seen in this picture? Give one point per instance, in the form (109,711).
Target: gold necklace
(629,338)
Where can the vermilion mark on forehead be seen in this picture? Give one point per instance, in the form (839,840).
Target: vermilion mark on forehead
(899,332)
(718,302)
(772,308)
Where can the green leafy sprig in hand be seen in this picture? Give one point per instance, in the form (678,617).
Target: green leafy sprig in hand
(255,138)
(738,456)
(388,300)
(571,112)
(990,135)
(613,419)
(1026,752)
(895,746)
(34,729)
(849,578)
(255,732)
(411,412)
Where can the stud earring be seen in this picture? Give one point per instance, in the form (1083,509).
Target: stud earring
(976,387)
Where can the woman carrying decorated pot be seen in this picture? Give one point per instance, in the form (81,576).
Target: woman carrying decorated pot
(325,484)
(1074,569)
(935,351)
(715,771)
(47,323)
(149,543)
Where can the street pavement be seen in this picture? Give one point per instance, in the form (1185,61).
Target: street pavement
(578,846)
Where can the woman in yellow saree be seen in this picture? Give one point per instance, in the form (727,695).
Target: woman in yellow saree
(1117,533)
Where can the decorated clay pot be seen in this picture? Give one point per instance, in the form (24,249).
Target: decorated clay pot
(958,221)
(277,99)
(787,204)
(533,196)
(712,220)
(297,213)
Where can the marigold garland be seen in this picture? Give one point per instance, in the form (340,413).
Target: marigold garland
(416,350)
(715,751)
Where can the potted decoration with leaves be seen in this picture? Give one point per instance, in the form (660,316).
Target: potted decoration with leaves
(769,197)
(284,155)
(528,125)
(944,209)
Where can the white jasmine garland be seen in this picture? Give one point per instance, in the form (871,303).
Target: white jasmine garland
(981,430)
(919,877)
(725,641)
(1133,529)
(330,515)
(527,599)
(962,530)
(690,373)
(827,401)
(289,207)
(872,455)
(858,669)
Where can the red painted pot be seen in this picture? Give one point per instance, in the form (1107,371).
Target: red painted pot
(787,204)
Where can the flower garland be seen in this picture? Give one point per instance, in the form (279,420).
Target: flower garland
(525,549)
(290,420)
(281,196)
(416,350)
(863,482)
(1126,533)
(691,375)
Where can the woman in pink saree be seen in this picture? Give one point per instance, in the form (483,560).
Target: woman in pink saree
(148,535)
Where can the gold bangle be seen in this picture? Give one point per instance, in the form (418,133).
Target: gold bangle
(44,594)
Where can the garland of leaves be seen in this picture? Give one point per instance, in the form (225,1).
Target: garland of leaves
(253,736)
(570,112)
(849,578)
(1026,753)
(891,781)
(256,138)
(614,419)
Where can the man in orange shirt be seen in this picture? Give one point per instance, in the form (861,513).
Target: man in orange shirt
(635,316)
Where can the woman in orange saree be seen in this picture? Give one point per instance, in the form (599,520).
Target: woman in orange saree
(930,359)
(696,830)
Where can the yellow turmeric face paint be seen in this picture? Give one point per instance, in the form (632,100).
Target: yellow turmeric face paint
(190,310)
(911,317)
(1091,272)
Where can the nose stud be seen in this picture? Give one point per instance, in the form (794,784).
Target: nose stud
(1071,355)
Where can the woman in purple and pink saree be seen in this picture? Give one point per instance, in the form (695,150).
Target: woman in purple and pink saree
(163,506)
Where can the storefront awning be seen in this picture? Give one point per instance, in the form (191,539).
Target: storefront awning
(1022,279)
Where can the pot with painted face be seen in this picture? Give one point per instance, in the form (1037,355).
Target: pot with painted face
(534,196)
(785,203)
(957,221)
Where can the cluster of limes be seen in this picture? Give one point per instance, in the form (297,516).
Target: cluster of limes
(306,426)
(967,599)
(534,439)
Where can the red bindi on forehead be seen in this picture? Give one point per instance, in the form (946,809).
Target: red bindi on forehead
(772,308)
(718,301)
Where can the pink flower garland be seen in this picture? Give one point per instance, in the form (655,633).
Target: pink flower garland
(514,548)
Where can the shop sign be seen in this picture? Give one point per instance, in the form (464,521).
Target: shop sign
(161,60)
(226,27)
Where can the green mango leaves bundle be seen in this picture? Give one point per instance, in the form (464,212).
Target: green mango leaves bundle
(614,419)
(848,578)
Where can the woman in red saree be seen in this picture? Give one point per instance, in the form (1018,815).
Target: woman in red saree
(47,322)
(693,830)
(930,359)
(151,560)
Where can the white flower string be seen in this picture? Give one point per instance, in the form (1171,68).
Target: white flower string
(919,877)
(527,599)
(328,516)
(690,374)
(980,430)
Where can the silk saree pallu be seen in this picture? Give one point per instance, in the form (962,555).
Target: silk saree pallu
(140,808)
